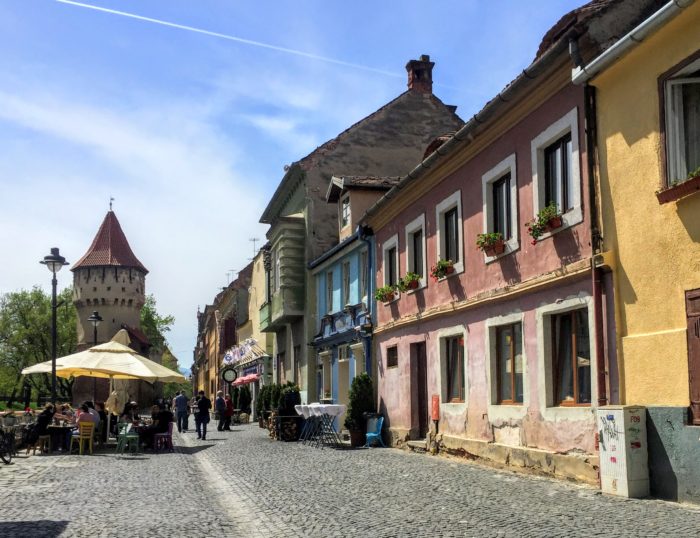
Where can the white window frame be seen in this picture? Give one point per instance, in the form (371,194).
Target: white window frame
(343,200)
(676,167)
(412,227)
(504,411)
(506,166)
(564,125)
(392,242)
(549,409)
(454,200)
(442,336)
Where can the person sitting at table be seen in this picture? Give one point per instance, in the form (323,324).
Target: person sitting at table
(130,413)
(40,428)
(84,415)
(160,425)
(67,412)
(93,412)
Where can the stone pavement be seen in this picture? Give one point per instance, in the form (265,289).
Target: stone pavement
(242,484)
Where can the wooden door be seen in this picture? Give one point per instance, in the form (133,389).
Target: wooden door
(422,385)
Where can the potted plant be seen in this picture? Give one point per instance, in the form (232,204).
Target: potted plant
(491,243)
(441,269)
(385,293)
(361,401)
(548,218)
(410,281)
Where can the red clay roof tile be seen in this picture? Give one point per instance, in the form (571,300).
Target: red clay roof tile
(109,247)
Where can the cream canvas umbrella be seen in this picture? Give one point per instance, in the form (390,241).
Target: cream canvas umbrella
(111,360)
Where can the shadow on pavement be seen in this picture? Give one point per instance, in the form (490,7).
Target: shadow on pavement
(33,529)
(191,449)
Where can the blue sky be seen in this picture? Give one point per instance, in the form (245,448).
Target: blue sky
(190,132)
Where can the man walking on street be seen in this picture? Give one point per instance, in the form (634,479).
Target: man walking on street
(181,411)
(220,408)
(201,417)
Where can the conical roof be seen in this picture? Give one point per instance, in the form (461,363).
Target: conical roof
(109,248)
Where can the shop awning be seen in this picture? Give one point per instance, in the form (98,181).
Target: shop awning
(246,379)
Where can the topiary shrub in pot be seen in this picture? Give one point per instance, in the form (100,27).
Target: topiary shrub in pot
(361,401)
(290,421)
(244,399)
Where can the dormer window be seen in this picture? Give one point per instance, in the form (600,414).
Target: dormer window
(345,211)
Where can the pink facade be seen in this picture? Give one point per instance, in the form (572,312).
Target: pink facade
(527,285)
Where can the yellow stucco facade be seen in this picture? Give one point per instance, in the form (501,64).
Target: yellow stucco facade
(656,246)
(257,298)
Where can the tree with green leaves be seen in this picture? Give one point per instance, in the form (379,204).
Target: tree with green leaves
(154,325)
(25,339)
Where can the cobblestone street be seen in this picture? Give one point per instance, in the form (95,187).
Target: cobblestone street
(240,483)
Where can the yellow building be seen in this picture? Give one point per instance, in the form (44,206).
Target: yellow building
(647,95)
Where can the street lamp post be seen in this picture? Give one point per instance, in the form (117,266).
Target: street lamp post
(95,319)
(53,262)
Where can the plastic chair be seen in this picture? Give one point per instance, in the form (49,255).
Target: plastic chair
(164,440)
(376,435)
(84,436)
(127,438)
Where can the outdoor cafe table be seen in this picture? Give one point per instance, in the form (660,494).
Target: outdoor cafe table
(60,435)
(325,431)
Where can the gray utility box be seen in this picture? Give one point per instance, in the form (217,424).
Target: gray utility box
(624,467)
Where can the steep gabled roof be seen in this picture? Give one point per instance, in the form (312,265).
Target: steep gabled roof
(339,184)
(110,248)
(387,127)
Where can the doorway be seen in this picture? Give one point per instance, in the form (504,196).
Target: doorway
(419,391)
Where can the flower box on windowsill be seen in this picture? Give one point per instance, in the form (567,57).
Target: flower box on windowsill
(554,223)
(676,192)
(495,249)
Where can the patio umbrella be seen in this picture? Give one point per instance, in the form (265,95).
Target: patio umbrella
(111,360)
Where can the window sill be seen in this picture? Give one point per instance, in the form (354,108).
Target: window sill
(511,246)
(570,218)
(676,192)
(419,288)
(397,296)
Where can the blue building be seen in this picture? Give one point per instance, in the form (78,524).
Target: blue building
(344,282)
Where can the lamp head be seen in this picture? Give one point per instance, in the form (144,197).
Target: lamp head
(54,261)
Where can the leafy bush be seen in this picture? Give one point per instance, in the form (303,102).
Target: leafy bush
(244,399)
(361,402)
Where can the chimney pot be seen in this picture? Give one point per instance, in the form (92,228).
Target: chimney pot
(420,74)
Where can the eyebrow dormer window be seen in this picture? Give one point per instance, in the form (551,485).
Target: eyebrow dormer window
(345,212)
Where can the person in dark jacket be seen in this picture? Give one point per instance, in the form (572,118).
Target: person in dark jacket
(201,417)
(161,422)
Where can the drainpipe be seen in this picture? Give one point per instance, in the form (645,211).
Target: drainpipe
(596,237)
(365,233)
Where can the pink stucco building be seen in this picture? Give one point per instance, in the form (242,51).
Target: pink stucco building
(514,345)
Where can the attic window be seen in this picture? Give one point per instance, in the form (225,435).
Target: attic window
(345,211)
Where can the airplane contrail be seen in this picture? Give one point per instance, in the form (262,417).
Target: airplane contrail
(230,38)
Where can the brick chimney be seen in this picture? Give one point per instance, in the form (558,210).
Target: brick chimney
(420,74)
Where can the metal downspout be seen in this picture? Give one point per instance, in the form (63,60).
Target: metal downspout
(365,234)
(596,243)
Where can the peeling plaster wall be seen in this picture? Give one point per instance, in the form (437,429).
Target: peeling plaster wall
(473,420)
